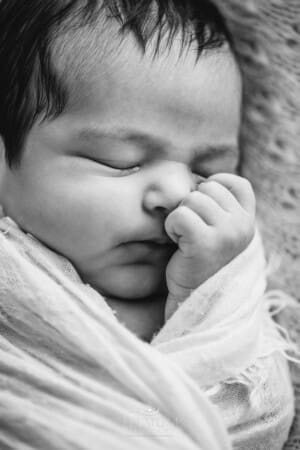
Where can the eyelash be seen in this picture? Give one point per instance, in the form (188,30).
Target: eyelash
(130,170)
(124,171)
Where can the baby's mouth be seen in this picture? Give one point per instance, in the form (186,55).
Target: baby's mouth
(149,250)
(155,244)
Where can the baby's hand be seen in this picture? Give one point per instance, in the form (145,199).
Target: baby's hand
(211,226)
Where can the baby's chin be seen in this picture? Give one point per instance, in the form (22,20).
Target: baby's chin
(135,282)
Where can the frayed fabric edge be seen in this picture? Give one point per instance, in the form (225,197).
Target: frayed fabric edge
(275,339)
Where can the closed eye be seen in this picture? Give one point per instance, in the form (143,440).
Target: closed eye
(117,166)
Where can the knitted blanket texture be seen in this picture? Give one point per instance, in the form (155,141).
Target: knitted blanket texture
(266,36)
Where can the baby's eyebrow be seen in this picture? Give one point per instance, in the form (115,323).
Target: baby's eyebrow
(141,139)
(151,142)
(209,152)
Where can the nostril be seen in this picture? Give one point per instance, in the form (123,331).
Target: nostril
(166,188)
(162,202)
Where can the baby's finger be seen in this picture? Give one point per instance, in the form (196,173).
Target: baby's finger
(205,207)
(184,223)
(220,194)
(240,188)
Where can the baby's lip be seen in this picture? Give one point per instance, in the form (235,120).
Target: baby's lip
(153,240)
(155,252)
(161,240)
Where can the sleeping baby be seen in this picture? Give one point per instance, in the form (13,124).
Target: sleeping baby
(119,153)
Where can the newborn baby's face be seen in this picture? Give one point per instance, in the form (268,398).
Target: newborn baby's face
(96,183)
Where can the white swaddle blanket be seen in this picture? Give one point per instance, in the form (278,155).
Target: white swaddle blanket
(72,377)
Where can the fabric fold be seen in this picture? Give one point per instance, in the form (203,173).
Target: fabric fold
(71,376)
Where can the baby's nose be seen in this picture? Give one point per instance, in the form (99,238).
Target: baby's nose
(169,185)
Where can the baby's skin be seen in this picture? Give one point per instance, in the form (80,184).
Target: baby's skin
(113,179)
(211,226)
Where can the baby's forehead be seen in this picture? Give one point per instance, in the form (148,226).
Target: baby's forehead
(76,52)
(87,53)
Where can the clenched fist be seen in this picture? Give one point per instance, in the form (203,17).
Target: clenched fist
(211,226)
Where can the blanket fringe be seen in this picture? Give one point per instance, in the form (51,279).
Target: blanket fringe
(275,338)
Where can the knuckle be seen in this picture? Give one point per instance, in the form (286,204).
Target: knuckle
(208,186)
(192,196)
(176,214)
(191,199)
(246,185)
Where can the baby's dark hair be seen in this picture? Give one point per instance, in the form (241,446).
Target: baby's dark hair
(30,87)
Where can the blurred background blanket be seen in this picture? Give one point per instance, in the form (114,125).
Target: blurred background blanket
(266,39)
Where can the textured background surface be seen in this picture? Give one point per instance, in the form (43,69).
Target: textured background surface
(267,41)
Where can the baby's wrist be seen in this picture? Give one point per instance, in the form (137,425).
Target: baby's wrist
(180,293)
(174,301)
